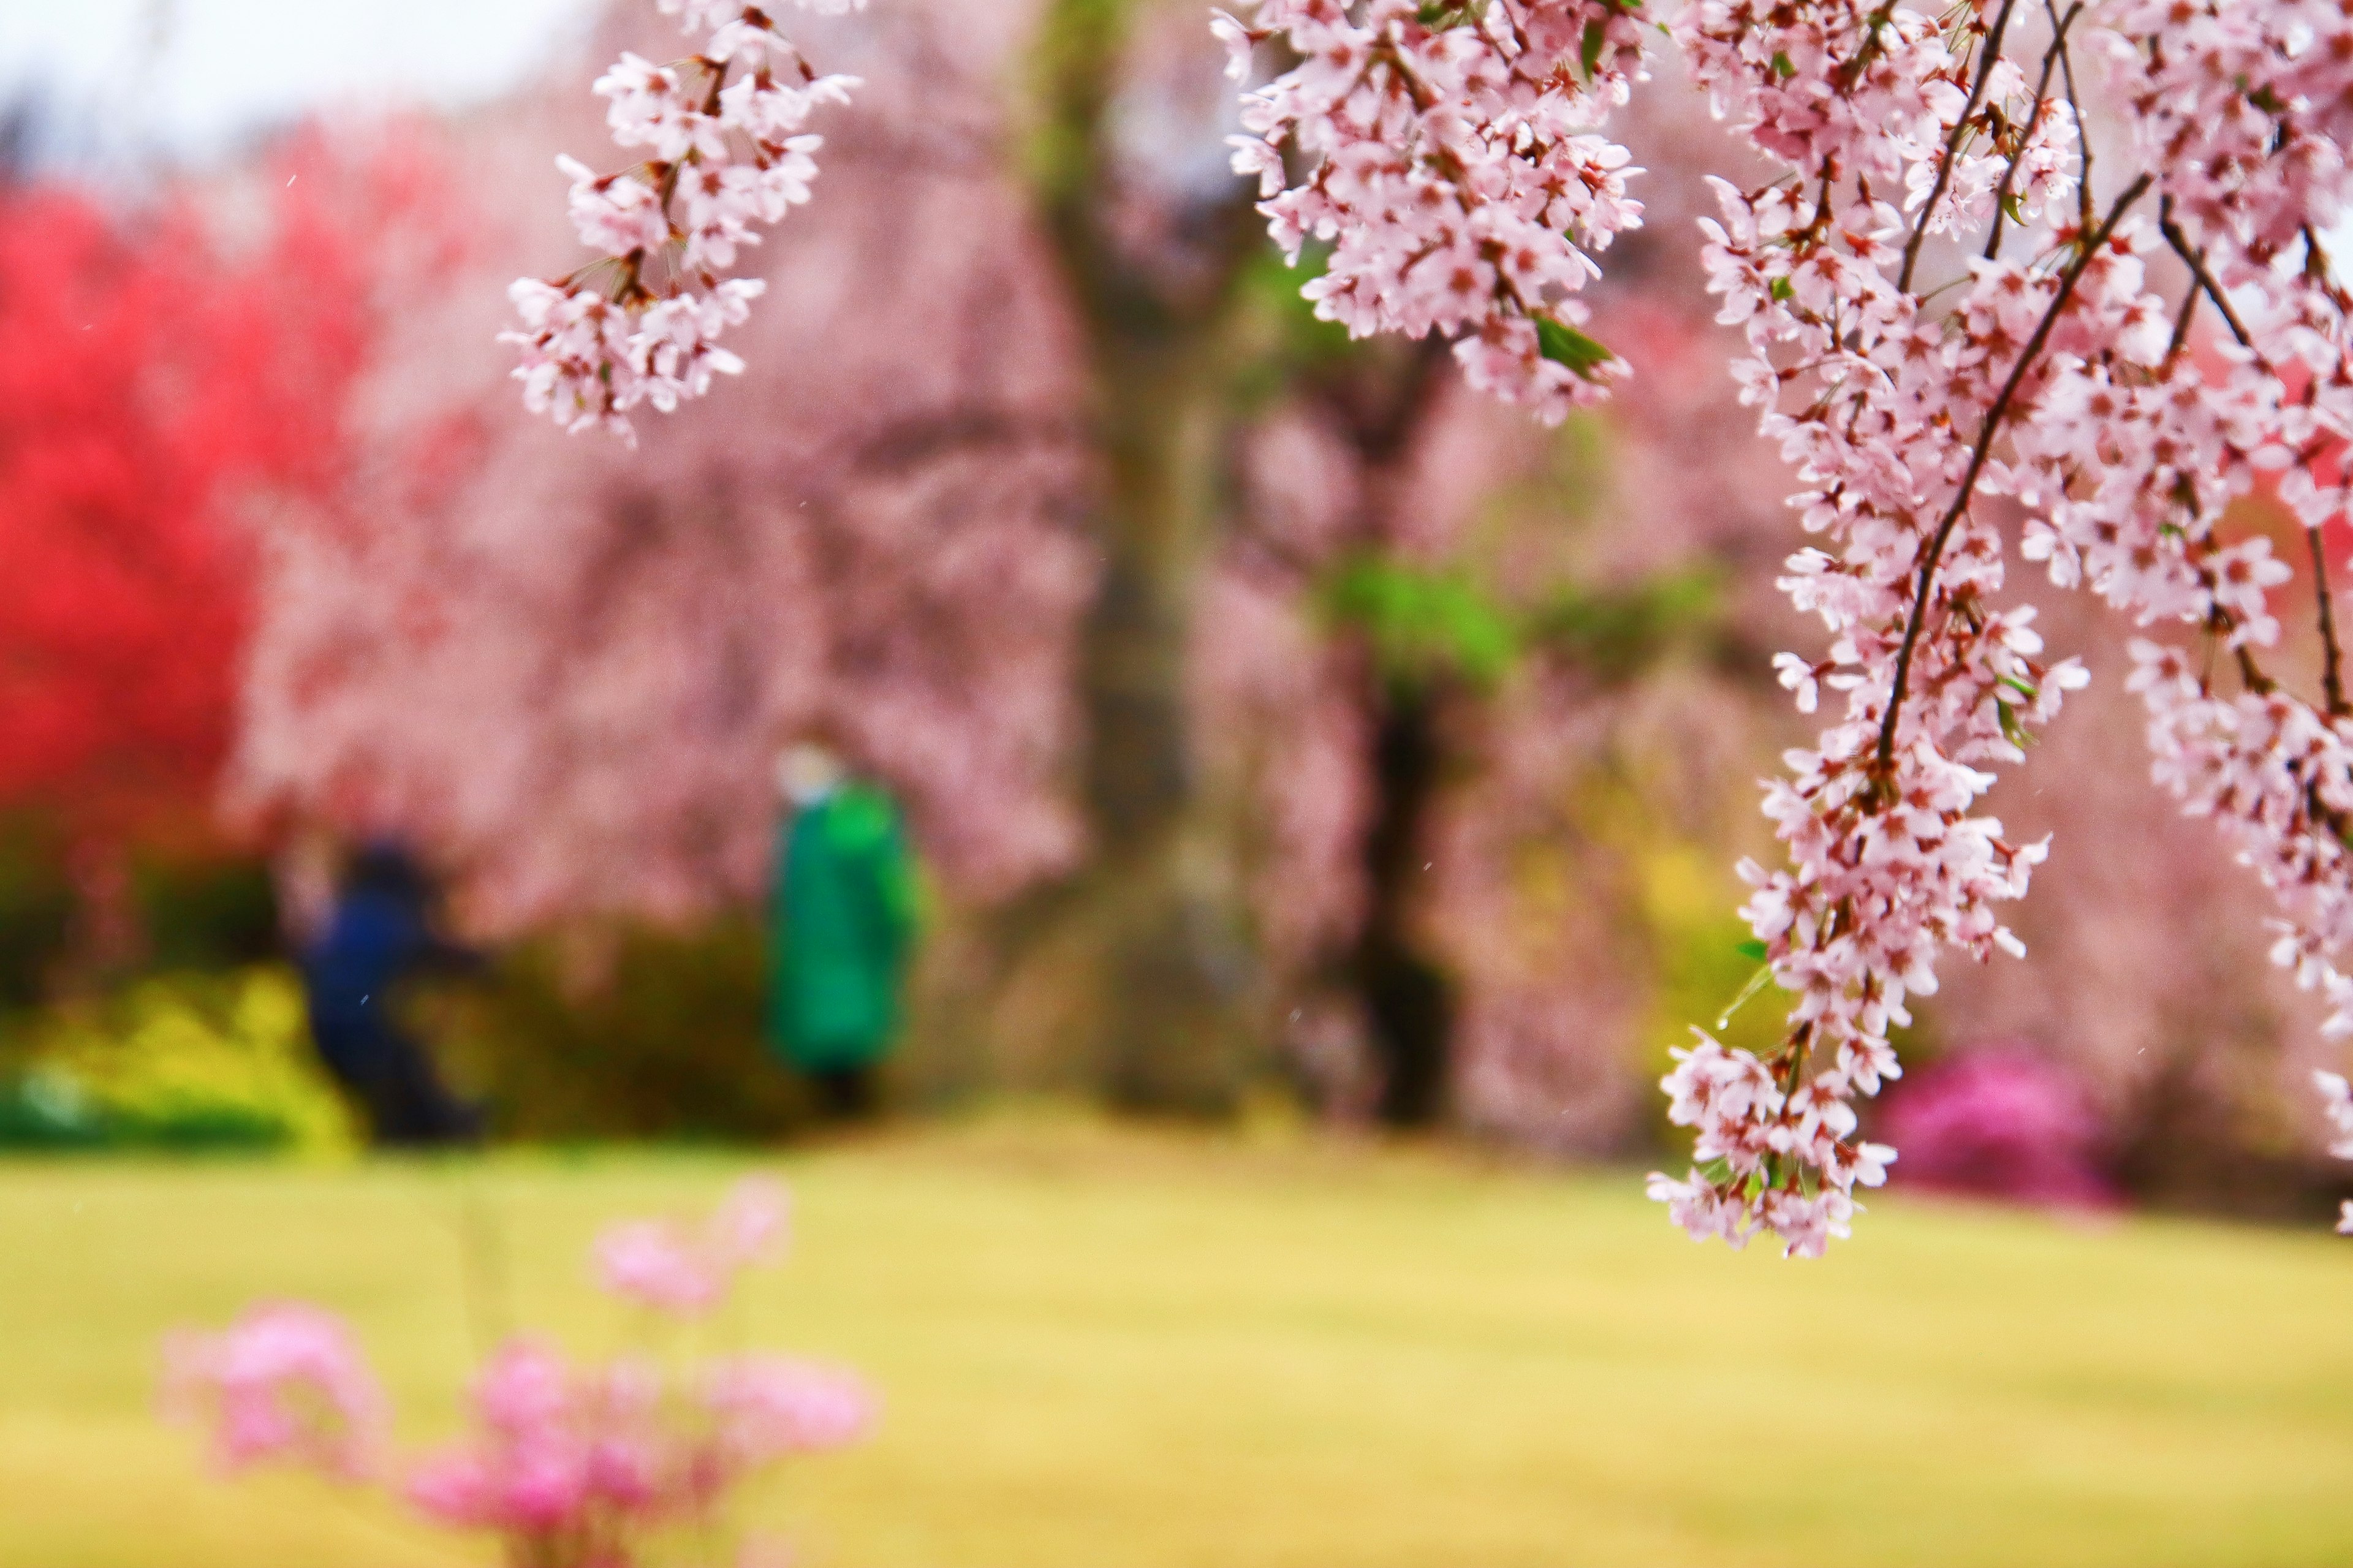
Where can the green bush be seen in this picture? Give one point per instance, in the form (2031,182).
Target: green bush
(650,1034)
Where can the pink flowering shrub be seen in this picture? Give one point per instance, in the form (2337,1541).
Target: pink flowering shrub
(282,1384)
(570,1465)
(1999,1122)
(687,1270)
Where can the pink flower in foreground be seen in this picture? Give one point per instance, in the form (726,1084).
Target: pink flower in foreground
(662,1265)
(2001,1123)
(283,1382)
(766,1407)
(560,1452)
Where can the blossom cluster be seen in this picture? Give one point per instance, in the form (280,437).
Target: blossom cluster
(687,1270)
(1449,155)
(570,1465)
(284,1383)
(725,153)
(1885,413)
(2060,379)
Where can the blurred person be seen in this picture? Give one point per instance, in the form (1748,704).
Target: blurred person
(379,933)
(842,929)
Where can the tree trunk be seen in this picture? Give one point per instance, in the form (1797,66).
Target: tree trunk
(1409,1004)
(1136,976)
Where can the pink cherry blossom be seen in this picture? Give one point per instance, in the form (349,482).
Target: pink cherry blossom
(724,158)
(1449,157)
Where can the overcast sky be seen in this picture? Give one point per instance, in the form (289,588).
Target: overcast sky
(193,74)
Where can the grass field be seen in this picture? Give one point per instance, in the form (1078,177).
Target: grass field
(1103,1349)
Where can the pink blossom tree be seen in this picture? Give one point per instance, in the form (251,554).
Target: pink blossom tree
(565,672)
(1949,312)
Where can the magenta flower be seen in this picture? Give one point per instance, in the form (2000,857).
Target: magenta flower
(1999,1122)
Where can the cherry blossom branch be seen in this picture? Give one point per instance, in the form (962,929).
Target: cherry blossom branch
(2200,277)
(2042,106)
(729,153)
(1987,54)
(1981,448)
(2332,675)
(2083,135)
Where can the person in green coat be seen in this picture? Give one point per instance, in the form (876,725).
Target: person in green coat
(842,930)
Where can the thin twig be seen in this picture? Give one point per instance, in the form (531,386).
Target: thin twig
(2189,297)
(2075,102)
(1983,449)
(2332,680)
(2196,261)
(1987,54)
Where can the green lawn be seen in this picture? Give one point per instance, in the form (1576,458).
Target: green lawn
(1119,1350)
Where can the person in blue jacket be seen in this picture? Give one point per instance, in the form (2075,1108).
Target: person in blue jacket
(842,930)
(380,934)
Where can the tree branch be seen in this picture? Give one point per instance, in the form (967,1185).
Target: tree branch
(2075,102)
(2196,261)
(1995,412)
(2332,678)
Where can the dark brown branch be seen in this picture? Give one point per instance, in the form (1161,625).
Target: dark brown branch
(1999,409)
(2189,297)
(2249,676)
(2332,678)
(2196,261)
(1987,54)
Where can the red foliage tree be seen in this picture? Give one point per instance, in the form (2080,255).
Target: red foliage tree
(149,380)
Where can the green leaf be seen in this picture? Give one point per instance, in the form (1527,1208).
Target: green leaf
(1567,345)
(2023,688)
(1752,949)
(2011,208)
(1422,623)
(1781,65)
(2011,730)
(1591,53)
(1780,289)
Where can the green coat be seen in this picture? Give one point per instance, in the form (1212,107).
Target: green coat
(843,926)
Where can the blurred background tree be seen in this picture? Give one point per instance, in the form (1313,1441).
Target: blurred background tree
(1277,722)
